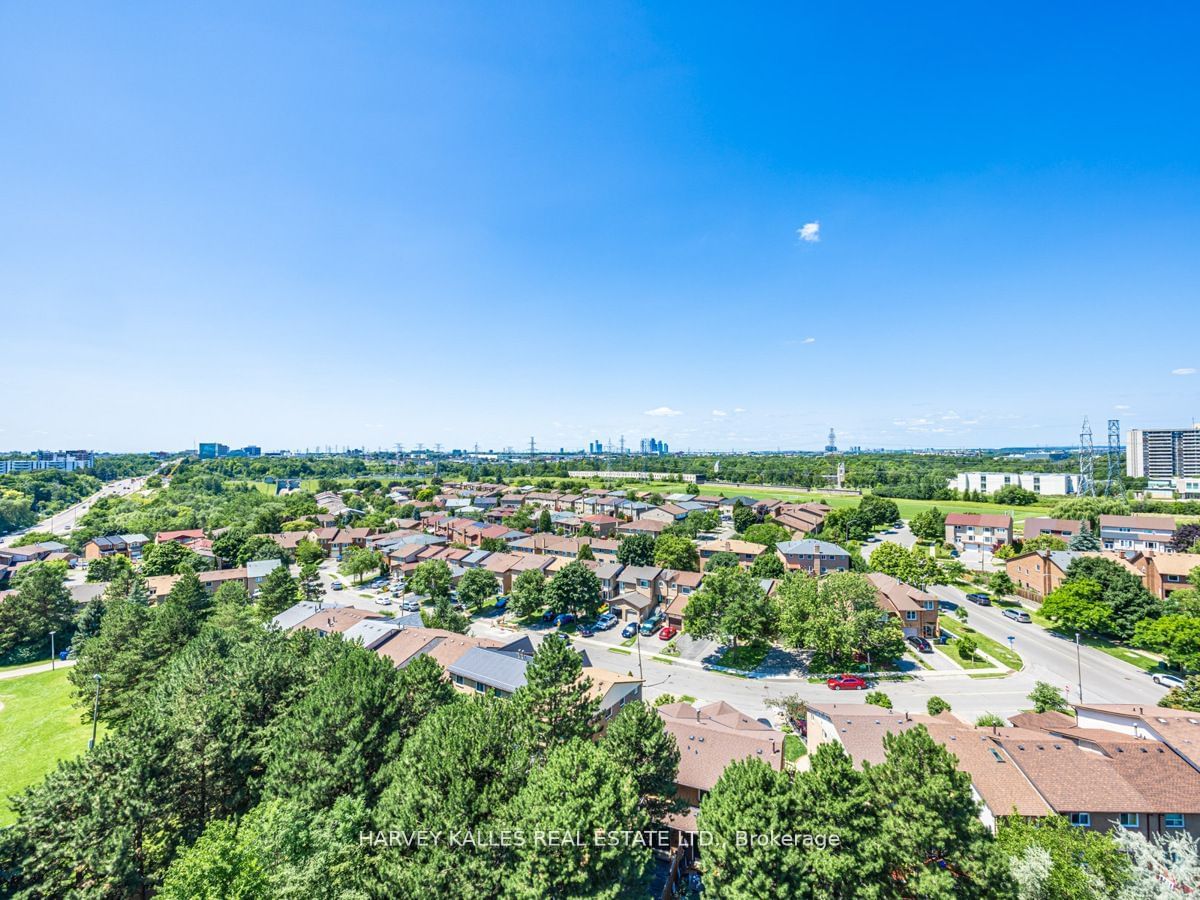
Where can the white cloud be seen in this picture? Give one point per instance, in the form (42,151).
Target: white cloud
(719,412)
(663,411)
(809,340)
(1120,406)
(810,232)
(739,409)
(1183,371)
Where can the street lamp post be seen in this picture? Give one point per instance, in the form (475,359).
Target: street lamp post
(52,650)
(95,711)
(1079,666)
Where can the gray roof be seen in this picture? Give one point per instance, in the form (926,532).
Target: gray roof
(475,557)
(135,539)
(1064,558)
(809,546)
(293,616)
(260,568)
(497,670)
(371,632)
(641,573)
(409,620)
(608,570)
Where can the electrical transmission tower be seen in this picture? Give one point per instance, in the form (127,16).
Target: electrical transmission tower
(1114,487)
(1087,461)
(531,446)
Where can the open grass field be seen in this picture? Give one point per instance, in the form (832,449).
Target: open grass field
(993,648)
(39,726)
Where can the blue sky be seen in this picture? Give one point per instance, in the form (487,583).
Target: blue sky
(303,224)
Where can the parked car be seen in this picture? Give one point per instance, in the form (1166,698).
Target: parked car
(981,599)
(920,643)
(548,616)
(564,619)
(1018,615)
(846,683)
(629,630)
(651,625)
(411,606)
(605,621)
(1168,680)
(586,630)
(667,633)
(384,601)
(337,585)
(501,604)
(947,605)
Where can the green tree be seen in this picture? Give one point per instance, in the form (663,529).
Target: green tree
(477,586)
(1086,542)
(878,510)
(311,588)
(722,559)
(545,522)
(108,568)
(936,706)
(730,606)
(1084,864)
(1014,495)
(555,701)
(766,533)
(574,589)
(577,790)
(168,558)
(40,605)
(1043,542)
(261,546)
(1046,697)
(639,746)
(336,741)
(231,593)
(767,565)
(494,545)
(676,552)
(445,616)
(929,829)
(585,553)
(586,530)
(1001,584)
(967,648)
(431,579)
(277,592)
(1176,636)
(309,553)
(528,593)
(636,550)
(1122,590)
(990,720)
(1186,696)
(1078,606)
(929,524)
(358,562)
(743,517)
(878,698)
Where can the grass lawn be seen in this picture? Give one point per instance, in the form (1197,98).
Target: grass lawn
(746,657)
(38,727)
(663,659)
(620,650)
(26,657)
(793,747)
(993,648)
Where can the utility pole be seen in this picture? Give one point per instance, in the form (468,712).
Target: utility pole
(52,650)
(1079,666)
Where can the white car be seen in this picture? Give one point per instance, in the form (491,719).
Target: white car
(1170,681)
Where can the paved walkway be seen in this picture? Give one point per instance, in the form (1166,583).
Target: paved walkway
(33,670)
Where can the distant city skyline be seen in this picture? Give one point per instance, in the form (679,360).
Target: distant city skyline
(927,226)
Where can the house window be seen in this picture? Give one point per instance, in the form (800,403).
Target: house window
(1081,820)
(458,679)
(910,615)
(1129,820)
(1173,820)
(479,686)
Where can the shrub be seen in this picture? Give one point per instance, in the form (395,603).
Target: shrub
(879,698)
(936,706)
(967,648)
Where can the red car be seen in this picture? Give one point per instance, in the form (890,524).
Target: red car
(846,683)
(667,633)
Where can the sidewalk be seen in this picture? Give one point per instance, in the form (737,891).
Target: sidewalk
(33,670)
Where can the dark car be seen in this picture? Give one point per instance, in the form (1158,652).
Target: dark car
(548,616)
(920,644)
(501,604)
(586,630)
(947,605)
(629,630)
(981,599)
(846,683)
(564,619)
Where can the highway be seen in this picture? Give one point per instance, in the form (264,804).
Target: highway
(63,522)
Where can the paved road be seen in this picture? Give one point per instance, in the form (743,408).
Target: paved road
(62,523)
(1048,658)
(903,536)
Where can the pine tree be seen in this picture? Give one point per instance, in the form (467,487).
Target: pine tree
(278,592)
(639,746)
(555,701)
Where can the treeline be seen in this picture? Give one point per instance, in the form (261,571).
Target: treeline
(28,497)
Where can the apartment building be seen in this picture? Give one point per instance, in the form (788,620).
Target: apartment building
(978,529)
(63,461)
(1141,533)
(1163,452)
(1055,484)
(115,544)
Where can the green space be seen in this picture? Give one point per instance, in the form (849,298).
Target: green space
(993,648)
(620,650)
(746,657)
(793,747)
(39,726)
(25,655)
(663,659)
